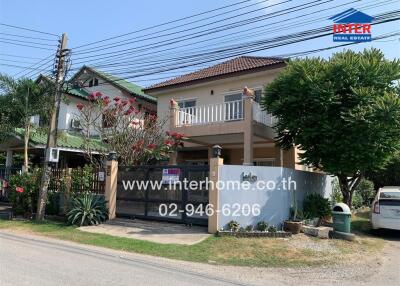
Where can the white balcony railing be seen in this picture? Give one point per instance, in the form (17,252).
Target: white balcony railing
(221,112)
(206,114)
(262,116)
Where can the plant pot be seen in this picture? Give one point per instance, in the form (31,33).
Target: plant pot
(293,227)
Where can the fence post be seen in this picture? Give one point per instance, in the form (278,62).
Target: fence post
(213,193)
(111,184)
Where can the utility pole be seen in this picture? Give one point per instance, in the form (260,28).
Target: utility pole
(52,135)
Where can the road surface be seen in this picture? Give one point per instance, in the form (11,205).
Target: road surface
(32,260)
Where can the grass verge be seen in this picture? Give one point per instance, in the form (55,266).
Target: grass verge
(262,252)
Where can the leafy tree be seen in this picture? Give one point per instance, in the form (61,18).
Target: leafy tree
(343,113)
(19,101)
(390,176)
(136,136)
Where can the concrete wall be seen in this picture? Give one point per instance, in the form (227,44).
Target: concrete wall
(274,203)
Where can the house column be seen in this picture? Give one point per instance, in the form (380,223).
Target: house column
(9,158)
(111,184)
(173,111)
(213,193)
(248,127)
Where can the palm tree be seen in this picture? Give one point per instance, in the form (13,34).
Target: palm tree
(20,99)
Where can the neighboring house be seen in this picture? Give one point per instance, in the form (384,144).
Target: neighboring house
(70,142)
(212,110)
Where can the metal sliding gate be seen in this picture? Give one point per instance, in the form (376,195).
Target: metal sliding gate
(175,193)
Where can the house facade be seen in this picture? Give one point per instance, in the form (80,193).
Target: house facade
(70,142)
(220,105)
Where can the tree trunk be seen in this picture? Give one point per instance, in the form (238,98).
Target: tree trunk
(26,143)
(348,186)
(345,189)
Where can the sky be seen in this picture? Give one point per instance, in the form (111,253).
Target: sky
(93,20)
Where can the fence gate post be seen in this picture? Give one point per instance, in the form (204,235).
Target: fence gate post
(111,184)
(213,193)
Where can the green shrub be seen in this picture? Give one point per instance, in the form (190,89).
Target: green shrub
(82,179)
(262,226)
(24,201)
(87,209)
(249,228)
(315,205)
(233,225)
(366,191)
(336,195)
(357,201)
(272,228)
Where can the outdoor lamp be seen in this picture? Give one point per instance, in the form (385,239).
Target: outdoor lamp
(112,156)
(216,151)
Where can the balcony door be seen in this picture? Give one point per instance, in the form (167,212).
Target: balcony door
(233,107)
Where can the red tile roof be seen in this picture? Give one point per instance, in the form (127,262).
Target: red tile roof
(233,66)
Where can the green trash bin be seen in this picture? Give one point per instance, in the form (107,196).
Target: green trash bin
(341,215)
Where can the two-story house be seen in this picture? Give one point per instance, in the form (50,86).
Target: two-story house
(212,109)
(70,143)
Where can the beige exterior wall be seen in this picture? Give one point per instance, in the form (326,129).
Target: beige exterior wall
(202,92)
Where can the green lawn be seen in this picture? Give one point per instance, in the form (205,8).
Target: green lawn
(265,252)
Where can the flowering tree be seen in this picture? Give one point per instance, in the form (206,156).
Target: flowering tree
(135,134)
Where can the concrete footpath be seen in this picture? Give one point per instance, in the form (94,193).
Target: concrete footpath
(160,232)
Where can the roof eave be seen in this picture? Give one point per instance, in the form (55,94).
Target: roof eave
(217,77)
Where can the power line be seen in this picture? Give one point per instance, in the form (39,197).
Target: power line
(202,33)
(28,42)
(247,46)
(186,25)
(18,56)
(254,49)
(26,37)
(162,24)
(23,45)
(27,29)
(280,28)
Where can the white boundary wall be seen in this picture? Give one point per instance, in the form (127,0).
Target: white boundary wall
(274,203)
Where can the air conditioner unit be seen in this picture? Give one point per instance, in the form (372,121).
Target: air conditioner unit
(35,120)
(76,124)
(54,154)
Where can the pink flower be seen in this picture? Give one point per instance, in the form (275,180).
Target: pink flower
(151,146)
(124,102)
(132,100)
(97,94)
(19,190)
(91,97)
(116,99)
(169,142)
(80,106)
(129,111)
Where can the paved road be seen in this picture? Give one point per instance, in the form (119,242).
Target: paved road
(41,262)
(32,260)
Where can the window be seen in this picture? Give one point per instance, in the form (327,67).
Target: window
(187,103)
(93,82)
(233,106)
(257,95)
(264,162)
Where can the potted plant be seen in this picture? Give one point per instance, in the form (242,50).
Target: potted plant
(293,225)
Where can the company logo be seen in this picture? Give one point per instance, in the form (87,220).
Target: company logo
(352,26)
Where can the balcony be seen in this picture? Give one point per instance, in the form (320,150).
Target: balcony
(234,123)
(226,112)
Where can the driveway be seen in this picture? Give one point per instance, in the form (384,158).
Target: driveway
(154,231)
(33,260)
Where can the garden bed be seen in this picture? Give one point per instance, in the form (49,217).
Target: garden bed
(278,234)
